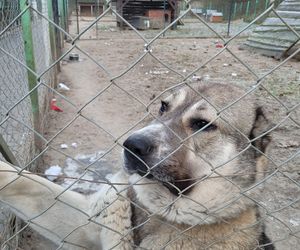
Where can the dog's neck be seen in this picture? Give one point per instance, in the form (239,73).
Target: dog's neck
(242,232)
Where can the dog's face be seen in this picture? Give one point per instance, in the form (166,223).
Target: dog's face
(197,158)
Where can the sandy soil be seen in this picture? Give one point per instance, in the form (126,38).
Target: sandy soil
(105,111)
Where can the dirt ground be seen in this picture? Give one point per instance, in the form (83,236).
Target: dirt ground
(105,111)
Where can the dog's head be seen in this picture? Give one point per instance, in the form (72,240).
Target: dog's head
(199,155)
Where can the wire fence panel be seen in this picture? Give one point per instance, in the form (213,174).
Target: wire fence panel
(206,168)
(14,83)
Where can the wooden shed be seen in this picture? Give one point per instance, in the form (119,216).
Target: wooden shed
(154,14)
(273,37)
(90,7)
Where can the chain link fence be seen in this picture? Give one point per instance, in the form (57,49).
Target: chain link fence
(111,81)
(17,141)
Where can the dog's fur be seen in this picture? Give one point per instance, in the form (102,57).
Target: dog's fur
(190,170)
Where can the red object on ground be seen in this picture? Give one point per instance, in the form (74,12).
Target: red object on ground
(54,107)
(219,45)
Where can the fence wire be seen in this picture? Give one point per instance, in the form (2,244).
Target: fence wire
(18,130)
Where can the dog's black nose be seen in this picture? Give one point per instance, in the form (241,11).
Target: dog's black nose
(139,145)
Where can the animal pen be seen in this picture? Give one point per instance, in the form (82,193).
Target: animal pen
(114,88)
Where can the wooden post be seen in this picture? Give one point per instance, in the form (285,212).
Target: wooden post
(255,8)
(77,15)
(241,9)
(234,10)
(247,8)
(61,14)
(52,40)
(266,4)
(58,36)
(66,15)
(29,57)
(229,17)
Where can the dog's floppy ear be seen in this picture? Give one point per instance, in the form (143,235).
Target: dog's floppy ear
(260,126)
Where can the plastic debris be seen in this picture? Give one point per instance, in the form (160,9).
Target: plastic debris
(73,57)
(295,222)
(234,74)
(196,78)
(63,146)
(53,106)
(74,145)
(184,70)
(219,45)
(62,86)
(53,172)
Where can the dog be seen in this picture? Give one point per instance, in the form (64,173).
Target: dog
(186,182)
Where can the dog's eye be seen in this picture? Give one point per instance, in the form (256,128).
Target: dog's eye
(197,124)
(163,107)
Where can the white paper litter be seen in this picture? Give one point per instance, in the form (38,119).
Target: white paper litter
(53,172)
(62,86)
(295,222)
(74,145)
(63,146)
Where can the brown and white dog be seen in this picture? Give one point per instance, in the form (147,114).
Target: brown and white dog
(188,174)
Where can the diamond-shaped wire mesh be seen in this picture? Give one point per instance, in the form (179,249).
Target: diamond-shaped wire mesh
(114,89)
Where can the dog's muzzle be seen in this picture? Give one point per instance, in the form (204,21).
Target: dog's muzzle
(139,157)
(137,151)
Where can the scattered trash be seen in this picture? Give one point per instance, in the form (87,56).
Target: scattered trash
(226,64)
(74,145)
(62,86)
(295,222)
(63,146)
(234,74)
(219,45)
(197,78)
(53,172)
(73,57)
(184,70)
(53,106)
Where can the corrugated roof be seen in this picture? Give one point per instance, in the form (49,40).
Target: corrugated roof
(273,37)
